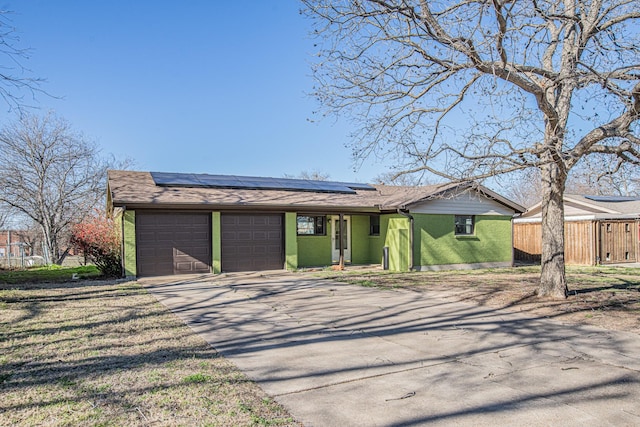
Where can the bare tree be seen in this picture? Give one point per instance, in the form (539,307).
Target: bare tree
(313,175)
(523,187)
(51,174)
(595,175)
(3,219)
(16,81)
(403,179)
(472,89)
(602,175)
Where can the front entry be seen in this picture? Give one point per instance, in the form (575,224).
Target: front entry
(335,238)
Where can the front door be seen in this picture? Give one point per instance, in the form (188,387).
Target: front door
(346,238)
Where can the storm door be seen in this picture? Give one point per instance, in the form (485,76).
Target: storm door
(335,238)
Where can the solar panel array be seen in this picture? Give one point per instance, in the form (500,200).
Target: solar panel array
(613,199)
(169,179)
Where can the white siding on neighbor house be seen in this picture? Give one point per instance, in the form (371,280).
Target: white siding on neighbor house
(466,203)
(571,211)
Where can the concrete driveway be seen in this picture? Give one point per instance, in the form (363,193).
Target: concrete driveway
(343,355)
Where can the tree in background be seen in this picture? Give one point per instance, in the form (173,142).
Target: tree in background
(595,175)
(604,176)
(51,174)
(402,179)
(473,89)
(15,80)
(3,219)
(313,175)
(98,238)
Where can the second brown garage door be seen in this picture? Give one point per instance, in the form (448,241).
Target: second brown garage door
(252,242)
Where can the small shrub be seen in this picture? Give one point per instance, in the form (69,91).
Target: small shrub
(99,240)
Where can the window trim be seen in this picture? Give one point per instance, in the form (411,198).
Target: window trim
(319,227)
(457,226)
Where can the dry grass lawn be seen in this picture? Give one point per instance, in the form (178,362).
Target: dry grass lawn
(608,297)
(103,353)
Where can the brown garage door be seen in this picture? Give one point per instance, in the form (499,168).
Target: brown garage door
(173,243)
(251,242)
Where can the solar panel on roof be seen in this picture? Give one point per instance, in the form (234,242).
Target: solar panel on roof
(169,179)
(613,199)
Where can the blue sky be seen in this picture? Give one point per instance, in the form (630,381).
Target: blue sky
(193,86)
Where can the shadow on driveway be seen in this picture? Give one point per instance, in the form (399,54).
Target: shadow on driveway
(337,354)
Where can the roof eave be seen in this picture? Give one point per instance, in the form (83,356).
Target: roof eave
(246,207)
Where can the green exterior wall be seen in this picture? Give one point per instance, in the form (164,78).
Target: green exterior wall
(360,240)
(314,251)
(291,249)
(435,241)
(129,243)
(376,243)
(397,240)
(216,243)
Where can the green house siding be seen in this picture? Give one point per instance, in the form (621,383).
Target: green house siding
(216,243)
(129,243)
(397,240)
(365,249)
(315,251)
(437,244)
(291,249)
(376,243)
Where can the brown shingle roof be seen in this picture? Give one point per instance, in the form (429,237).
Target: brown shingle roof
(138,190)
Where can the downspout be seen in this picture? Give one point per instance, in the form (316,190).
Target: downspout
(513,249)
(341,243)
(408,215)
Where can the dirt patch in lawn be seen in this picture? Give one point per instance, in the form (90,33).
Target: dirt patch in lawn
(107,353)
(606,297)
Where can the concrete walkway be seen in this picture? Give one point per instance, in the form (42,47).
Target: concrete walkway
(343,355)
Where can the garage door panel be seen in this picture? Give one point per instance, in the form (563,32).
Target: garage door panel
(252,242)
(244,235)
(275,220)
(260,235)
(166,220)
(200,236)
(274,235)
(244,220)
(173,243)
(262,220)
(244,251)
(260,250)
(201,220)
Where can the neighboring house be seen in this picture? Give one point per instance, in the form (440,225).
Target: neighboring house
(15,243)
(197,223)
(598,230)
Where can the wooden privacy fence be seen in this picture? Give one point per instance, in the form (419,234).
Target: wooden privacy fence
(527,242)
(586,242)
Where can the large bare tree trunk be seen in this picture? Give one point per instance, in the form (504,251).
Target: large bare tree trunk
(553,282)
(576,59)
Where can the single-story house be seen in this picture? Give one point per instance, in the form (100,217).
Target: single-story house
(15,243)
(176,223)
(598,230)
